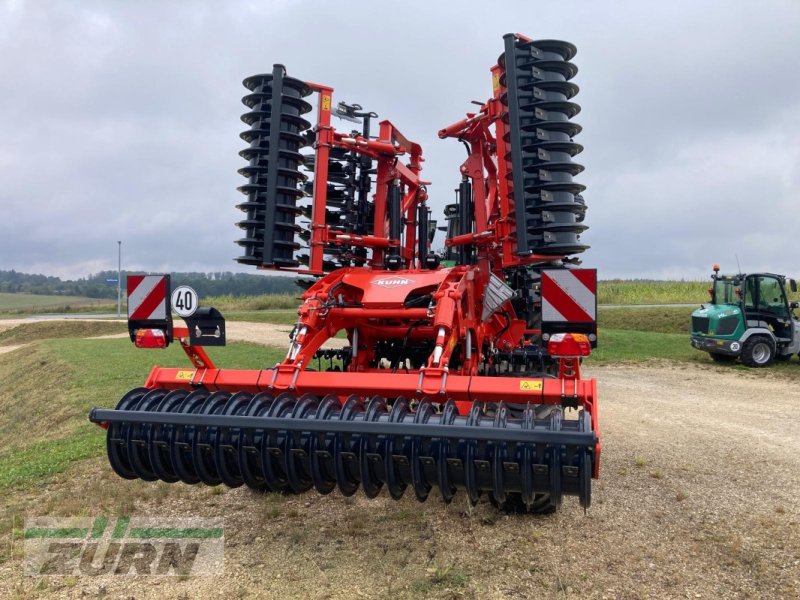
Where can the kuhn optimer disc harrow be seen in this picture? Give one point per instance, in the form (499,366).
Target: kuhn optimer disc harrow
(462,374)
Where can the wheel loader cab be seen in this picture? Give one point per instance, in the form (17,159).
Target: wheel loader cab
(765,303)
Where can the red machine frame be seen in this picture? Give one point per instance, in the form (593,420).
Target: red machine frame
(445,328)
(368,313)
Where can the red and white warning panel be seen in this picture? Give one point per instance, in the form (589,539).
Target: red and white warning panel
(149,314)
(569,295)
(569,301)
(147,297)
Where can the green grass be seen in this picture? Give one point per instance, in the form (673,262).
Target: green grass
(34,301)
(29,332)
(643,291)
(229,303)
(659,320)
(50,385)
(441,577)
(15,305)
(620,345)
(49,457)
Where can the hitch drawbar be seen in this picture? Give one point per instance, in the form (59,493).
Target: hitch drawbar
(286,443)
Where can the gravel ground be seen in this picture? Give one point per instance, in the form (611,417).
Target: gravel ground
(697,499)
(268,334)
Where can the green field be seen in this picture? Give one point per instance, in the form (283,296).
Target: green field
(630,292)
(230,303)
(27,303)
(626,291)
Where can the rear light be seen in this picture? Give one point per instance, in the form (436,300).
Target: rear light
(569,344)
(150,338)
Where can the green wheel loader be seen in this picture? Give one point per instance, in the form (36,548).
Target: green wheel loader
(749,317)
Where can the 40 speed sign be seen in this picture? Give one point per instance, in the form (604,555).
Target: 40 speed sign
(184,301)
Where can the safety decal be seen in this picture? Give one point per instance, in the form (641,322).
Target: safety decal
(147,297)
(569,295)
(530,385)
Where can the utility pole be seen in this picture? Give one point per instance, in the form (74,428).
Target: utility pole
(119,278)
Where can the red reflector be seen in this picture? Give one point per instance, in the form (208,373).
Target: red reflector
(569,344)
(150,338)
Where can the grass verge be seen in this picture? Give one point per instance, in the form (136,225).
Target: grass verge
(658,320)
(616,345)
(50,385)
(49,457)
(42,330)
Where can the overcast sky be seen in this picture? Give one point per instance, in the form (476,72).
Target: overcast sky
(120,120)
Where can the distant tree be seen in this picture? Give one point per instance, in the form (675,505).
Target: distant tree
(97,286)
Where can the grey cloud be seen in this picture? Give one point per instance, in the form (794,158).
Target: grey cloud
(121,120)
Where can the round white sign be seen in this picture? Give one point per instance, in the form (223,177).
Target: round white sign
(184,301)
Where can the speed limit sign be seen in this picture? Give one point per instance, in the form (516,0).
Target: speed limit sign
(184,301)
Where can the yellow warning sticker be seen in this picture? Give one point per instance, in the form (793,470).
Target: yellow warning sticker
(495,81)
(530,385)
(326,102)
(184,375)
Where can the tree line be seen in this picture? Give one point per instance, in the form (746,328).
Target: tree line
(215,283)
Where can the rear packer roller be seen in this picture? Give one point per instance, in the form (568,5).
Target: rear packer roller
(285,443)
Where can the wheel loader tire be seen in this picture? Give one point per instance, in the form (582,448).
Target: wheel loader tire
(722,358)
(758,351)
